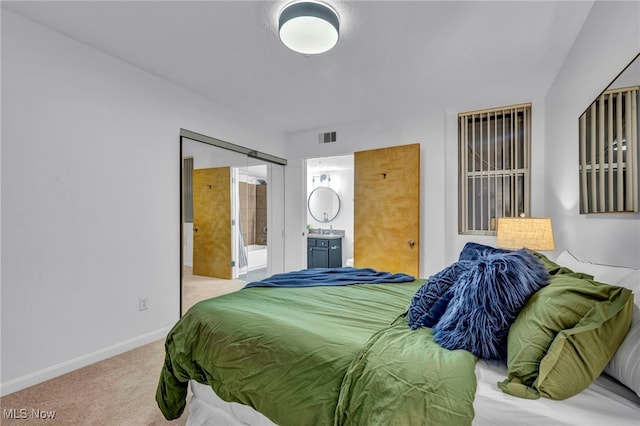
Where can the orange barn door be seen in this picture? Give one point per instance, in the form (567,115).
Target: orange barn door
(212,222)
(387,209)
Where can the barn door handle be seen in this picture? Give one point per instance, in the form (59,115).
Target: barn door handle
(412,243)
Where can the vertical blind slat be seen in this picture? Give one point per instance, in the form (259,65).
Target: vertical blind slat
(487,180)
(600,144)
(473,180)
(461,172)
(495,168)
(610,205)
(627,136)
(514,163)
(466,149)
(633,147)
(481,209)
(504,160)
(592,146)
(527,164)
(465,179)
(583,162)
(619,168)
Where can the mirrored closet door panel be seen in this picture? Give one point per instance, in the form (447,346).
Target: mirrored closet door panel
(232,214)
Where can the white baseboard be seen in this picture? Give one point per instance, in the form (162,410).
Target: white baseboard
(82,361)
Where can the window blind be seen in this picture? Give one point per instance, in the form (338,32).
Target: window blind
(609,153)
(494,166)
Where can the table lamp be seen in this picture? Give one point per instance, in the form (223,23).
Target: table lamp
(533,233)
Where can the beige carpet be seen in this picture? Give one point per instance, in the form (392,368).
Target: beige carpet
(117,391)
(196,288)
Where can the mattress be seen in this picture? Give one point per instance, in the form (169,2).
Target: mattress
(605,402)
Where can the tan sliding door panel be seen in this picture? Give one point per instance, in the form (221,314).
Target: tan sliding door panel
(387,209)
(212,222)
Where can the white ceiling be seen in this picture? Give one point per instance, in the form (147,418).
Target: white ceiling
(393,58)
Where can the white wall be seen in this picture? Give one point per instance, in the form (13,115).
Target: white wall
(90,200)
(611,239)
(607,42)
(436,131)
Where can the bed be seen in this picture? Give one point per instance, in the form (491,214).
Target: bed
(352,354)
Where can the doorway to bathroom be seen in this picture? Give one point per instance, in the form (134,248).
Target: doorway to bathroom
(378,214)
(330,211)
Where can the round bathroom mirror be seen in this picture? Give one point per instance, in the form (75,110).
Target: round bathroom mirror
(323,204)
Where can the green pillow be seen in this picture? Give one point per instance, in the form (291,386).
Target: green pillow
(554,269)
(564,337)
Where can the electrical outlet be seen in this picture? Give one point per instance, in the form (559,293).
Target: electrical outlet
(144,303)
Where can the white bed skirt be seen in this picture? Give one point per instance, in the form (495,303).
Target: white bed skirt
(207,408)
(605,402)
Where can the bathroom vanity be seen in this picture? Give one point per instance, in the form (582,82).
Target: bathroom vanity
(324,246)
(324,250)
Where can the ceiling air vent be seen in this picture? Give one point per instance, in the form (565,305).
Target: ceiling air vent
(327,137)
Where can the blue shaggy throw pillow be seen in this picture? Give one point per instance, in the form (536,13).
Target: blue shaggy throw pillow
(473,251)
(486,301)
(426,307)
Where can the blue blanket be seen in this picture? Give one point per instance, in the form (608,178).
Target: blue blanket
(330,277)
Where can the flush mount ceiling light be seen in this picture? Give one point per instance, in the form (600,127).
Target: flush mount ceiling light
(308,27)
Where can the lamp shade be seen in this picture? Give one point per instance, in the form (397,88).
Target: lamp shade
(309,27)
(534,233)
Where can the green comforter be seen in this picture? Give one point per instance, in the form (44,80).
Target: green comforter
(319,356)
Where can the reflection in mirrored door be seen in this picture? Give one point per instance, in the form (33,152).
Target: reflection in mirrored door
(608,147)
(208,205)
(212,212)
(252,222)
(230,203)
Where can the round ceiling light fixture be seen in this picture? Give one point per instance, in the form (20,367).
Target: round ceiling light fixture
(309,27)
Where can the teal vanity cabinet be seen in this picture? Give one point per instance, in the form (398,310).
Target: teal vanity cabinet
(324,251)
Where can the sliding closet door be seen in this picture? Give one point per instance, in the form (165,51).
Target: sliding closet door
(387,209)
(212,222)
